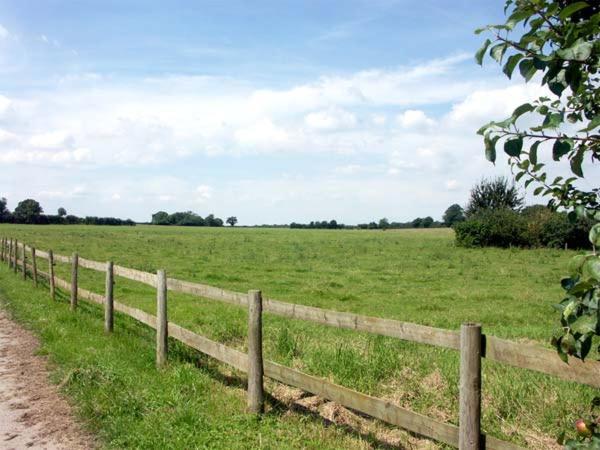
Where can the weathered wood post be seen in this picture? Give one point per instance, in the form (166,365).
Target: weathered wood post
(24,261)
(10,253)
(74,267)
(34,267)
(3,247)
(51,274)
(108,299)
(469,437)
(161,318)
(255,357)
(15,256)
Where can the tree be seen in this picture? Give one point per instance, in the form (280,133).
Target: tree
(417,223)
(493,194)
(28,211)
(4,212)
(160,218)
(427,222)
(559,39)
(453,214)
(384,224)
(232,220)
(62,212)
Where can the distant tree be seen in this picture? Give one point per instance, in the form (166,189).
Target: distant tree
(372,226)
(28,211)
(62,212)
(427,222)
(160,218)
(4,212)
(384,224)
(332,225)
(232,220)
(497,193)
(417,223)
(453,214)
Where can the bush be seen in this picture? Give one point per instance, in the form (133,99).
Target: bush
(493,227)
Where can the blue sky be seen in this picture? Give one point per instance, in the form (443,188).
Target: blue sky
(270,111)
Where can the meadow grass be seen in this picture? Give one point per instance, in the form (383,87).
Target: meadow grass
(412,275)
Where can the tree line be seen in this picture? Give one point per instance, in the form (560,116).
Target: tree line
(190,219)
(29,211)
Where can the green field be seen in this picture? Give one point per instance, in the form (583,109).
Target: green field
(411,275)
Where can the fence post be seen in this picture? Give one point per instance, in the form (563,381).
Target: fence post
(24,261)
(2,253)
(34,267)
(10,253)
(74,267)
(161,318)
(51,274)
(15,257)
(108,299)
(255,357)
(469,435)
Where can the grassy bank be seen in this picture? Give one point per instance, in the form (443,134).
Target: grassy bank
(417,276)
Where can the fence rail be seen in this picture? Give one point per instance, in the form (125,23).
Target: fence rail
(465,436)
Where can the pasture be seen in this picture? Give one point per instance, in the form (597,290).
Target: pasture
(411,275)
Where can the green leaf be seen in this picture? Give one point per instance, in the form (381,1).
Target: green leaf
(533,152)
(579,51)
(527,69)
(560,148)
(481,52)
(517,17)
(513,147)
(585,324)
(594,123)
(538,190)
(572,9)
(522,109)
(497,51)
(511,63)
(595,235)
(577,161)
(490,148)
(557,88)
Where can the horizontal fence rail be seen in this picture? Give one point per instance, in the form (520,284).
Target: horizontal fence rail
(526,356)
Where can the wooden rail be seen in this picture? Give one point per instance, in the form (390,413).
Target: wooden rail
(473,347)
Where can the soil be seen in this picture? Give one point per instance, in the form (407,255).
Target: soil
(33,414)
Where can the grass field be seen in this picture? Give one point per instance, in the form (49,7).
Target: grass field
(416,276)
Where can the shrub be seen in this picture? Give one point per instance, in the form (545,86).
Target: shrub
(492,227)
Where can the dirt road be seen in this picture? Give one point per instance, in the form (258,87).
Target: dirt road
(32,413)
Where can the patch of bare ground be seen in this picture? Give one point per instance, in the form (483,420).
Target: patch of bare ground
(32,413)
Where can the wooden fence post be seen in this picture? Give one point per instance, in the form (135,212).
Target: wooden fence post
(255,357)
(469,437)
(51,274)
(108,299)
(10,250)
(2,253)
(24,261)
(74,267)
(15,257)
(34,267)
(161,318)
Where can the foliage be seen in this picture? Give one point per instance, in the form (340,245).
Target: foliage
(28,211)
(497,193)
(384,224)
(560,41)
(4,212)
(232,220)
(187,219)
(499,227)
(62,212)
(453,215)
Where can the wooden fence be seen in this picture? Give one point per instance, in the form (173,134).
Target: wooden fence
(471,343)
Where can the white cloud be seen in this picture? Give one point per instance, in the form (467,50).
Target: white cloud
(3,32)
(452,185)
(203,193)
(262,135)
(330,120)
(52,140)
(414,118)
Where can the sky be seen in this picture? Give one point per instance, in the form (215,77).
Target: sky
(271,111)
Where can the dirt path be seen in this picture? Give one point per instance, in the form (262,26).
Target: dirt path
(32,413)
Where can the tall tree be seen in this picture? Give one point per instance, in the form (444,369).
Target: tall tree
(4,212)
(28,211)
(62,212)
(496,193)
(232,220)
(453,214)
